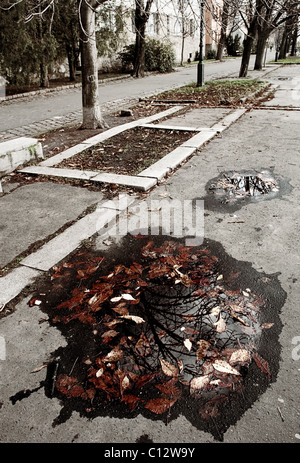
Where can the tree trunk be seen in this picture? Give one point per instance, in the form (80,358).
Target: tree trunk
(139,54)
(140,19)
(224,25)
(182,50)
(283,45)
(261,45)
(44,77)
(248,42)
(91,112)
(71,63)
(294,41)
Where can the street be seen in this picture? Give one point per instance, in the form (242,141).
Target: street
(30,110)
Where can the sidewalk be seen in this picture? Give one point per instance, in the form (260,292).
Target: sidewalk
(264,233)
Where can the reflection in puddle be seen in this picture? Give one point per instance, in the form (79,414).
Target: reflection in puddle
(235,189)
(168,330)
(236,185)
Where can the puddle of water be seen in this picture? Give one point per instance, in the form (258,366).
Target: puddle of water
(232,190)
(160,329)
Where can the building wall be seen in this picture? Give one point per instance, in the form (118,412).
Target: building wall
(177,21)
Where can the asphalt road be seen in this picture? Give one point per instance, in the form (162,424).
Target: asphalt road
(24,111)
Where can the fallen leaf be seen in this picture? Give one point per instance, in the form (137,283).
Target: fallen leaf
(109,335)
(169,388)
(34,302)
(99,372)
(224,367)
(131,400)
(142,347)
(202,349)
(159,406)
(116,299)
(199,382)
(127,297)
(266,326)
(239,356)
(220,325)
(114,355)
(188,344)
(134,318)
(262,364)
(168,368)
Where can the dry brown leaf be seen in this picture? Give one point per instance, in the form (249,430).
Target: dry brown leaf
(168,368)
(134,318)
(262,364)
(220,325)
(239,356)
(224,367)
(113,356)
(202,349)
(266,326)
(199,382)
(159,406)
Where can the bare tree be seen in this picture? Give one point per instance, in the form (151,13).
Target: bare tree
(141,16)
(91,112)
(273,14)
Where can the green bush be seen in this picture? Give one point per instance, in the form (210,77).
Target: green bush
(211,54)
(159,56)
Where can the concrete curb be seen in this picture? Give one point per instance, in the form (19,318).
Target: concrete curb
(60,88)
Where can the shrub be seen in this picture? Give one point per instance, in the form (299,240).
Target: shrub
(159,56)
(211,54)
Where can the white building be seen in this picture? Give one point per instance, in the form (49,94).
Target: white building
(177,21)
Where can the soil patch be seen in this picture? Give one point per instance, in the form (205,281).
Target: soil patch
(130,152)
(217,93)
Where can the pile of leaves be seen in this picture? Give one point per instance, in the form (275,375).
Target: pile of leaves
(129,152)
(158,329)
(214,93)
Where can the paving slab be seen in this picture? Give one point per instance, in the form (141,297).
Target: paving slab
(33,212)
(59,172)
(205,117)
(131,181)
(287,81)
(65,243)
(14,282)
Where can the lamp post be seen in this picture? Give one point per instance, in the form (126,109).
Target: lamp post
(200,69)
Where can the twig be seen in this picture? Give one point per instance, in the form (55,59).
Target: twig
(281,416)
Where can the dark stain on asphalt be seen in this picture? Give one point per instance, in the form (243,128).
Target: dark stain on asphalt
(232,190)
(199,307)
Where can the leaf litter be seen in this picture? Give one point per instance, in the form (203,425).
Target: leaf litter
(157,330)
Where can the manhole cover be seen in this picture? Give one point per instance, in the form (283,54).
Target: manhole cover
(232,189)
(161,329)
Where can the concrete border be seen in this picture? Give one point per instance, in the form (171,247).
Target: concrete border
(149,177)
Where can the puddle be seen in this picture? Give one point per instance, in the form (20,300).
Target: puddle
(160,329)
(232,190)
